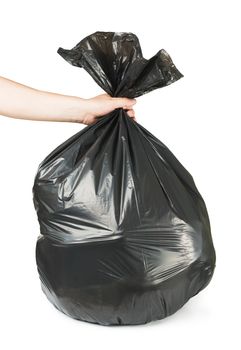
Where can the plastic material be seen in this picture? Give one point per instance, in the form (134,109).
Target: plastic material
(125,234)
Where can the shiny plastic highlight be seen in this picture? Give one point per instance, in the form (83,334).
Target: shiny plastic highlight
(125,234)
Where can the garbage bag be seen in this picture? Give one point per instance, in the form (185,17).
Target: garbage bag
(125,234)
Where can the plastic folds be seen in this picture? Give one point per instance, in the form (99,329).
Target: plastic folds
(125,234)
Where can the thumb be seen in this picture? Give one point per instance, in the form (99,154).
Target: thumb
(123,102)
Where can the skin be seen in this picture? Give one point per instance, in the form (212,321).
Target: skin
(23,102)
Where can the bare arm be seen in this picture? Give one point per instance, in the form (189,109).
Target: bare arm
(23,102)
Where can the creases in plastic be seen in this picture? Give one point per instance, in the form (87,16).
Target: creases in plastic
(125,233)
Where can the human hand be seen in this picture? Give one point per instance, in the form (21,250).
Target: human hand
(23,102)
(103,104)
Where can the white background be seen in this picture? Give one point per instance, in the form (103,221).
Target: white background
(197,118)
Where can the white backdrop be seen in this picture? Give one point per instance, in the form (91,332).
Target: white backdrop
(197,118)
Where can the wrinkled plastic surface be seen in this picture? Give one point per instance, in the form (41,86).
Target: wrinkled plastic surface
(125,234)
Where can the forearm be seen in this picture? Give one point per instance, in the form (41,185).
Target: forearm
(21,101)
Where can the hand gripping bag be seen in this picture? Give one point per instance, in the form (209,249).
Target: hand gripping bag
(125,234)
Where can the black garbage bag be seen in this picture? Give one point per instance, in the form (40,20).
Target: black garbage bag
(125,234)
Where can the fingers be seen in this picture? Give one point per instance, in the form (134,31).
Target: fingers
(131,114)
(123,102)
